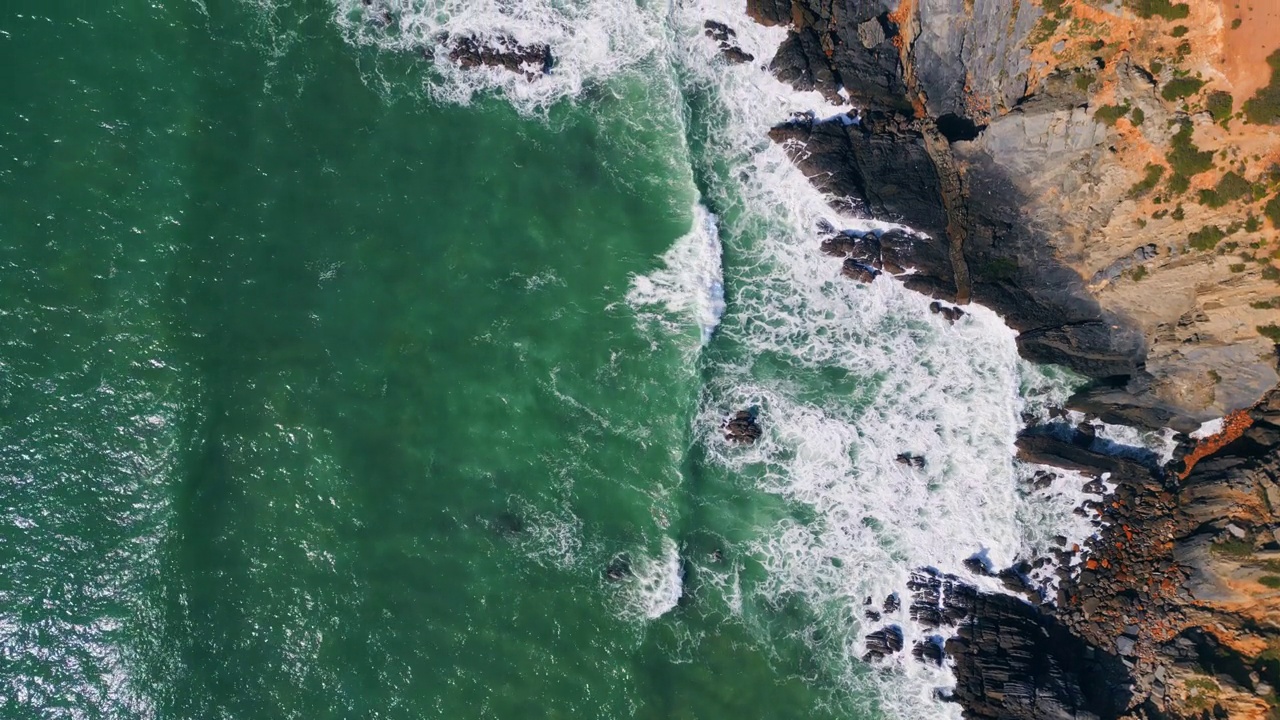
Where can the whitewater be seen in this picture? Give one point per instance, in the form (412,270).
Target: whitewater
(845,377)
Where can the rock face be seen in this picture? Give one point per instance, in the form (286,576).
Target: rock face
(1065,166)
(979,126)
(1013,662)
(504,51)
(1166,613)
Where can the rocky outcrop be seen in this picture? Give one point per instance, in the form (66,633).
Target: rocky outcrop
(883,642)
(1168,612)
(741,428)
(1025,200)
(504,51)
(726,37)
(1015,663)
(1060,162)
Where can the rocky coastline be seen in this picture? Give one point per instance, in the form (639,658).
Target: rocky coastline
(1171,610)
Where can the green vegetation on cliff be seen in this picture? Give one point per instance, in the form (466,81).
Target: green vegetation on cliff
(1219,104)
(1151,176)
(1109,114)
(1272,211)
(1206,238)
(1178,88)
(1265,106)
(1184,157)
(1159,8)
(1230,188)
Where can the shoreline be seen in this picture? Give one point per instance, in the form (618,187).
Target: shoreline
(1150,619)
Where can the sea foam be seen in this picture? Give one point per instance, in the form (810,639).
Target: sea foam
(690,284)
(846,377)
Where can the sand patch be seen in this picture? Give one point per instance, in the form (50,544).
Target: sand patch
(1245,48)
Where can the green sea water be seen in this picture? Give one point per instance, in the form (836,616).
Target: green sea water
(334,379)
(320,399)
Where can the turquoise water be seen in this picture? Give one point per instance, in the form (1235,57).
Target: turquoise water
(331,387)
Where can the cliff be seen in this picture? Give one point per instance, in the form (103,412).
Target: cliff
(1079,168)
(1106,176)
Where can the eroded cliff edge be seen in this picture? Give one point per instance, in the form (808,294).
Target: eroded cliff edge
(1079,168)
(1106,176)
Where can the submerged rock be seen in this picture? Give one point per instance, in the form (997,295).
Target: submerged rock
(619,568)
(508,523)
(741,427)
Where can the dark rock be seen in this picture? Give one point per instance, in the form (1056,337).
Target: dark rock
(801,61)
(1043,480)
(892,603)
(951,314)
(1086,433)
(1014,663)
(770,12)
(883,643)
(741,427)
(977,566)
(928,651)
(724,35)
(502,51)
(877,159)
(872,615)
(718,31)
(857,271)
(862,248)
(915,461)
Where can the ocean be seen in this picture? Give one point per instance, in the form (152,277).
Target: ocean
(336,378)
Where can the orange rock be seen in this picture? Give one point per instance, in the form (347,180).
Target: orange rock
(1233,426)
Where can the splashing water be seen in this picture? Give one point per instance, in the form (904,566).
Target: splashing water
(690,285)
(846,377)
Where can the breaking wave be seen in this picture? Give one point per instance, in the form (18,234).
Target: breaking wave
(891,427)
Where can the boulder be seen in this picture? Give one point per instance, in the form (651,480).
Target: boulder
(915,461)
(741,427)
(724,36)
(857,271)
(883,643)
(948,312)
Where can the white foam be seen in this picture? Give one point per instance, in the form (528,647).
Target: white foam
(658,582)
(906,382)
(690,285)
(846,376)
(590,41)
(1209,428)
(552,538)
